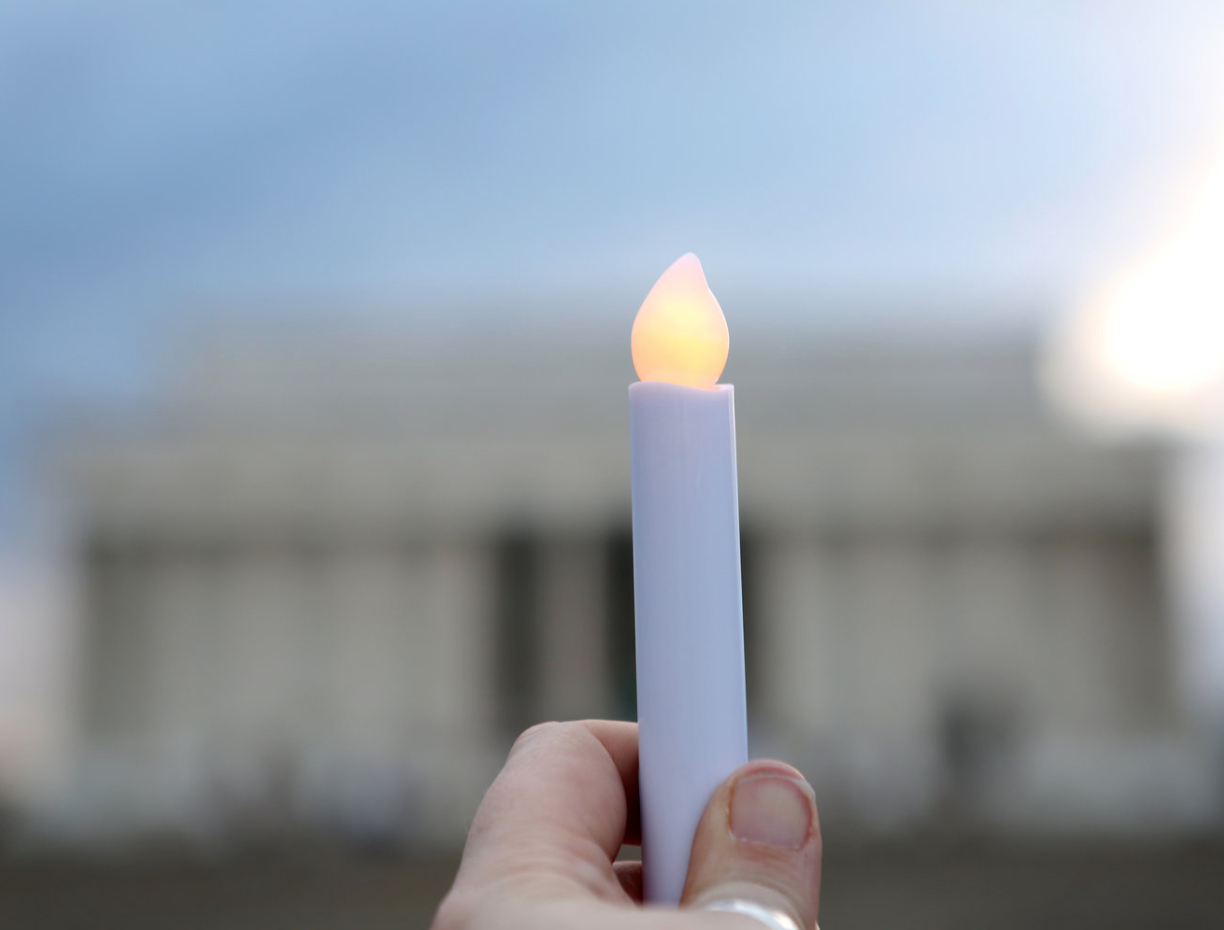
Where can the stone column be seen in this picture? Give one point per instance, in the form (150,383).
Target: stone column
(987,606)
(182,670)
(375,666)
(802,649)
(265,697)
(455,623)
(890,686)
(573,635)
(116,698)
(1074,689)
(371,667)
(455,750)
(984,664)
(116,650)
(1193,528)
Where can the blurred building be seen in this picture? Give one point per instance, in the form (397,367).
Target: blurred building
(328,580)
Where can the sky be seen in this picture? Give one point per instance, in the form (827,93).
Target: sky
(167,164)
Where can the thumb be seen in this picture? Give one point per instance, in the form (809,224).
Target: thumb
(759,841)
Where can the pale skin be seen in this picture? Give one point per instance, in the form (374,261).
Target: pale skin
(541,851)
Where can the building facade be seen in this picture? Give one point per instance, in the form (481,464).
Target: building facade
(325,583)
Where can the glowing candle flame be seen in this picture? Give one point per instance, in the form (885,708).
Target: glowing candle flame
(680,333)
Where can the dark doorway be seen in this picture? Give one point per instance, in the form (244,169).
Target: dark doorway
(517,633)
(623,661)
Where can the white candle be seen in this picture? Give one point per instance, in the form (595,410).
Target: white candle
(692,714)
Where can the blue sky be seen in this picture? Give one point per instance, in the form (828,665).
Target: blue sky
(164,164)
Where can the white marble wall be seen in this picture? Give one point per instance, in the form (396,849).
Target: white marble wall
(575,679)
(263,685)
(911,673)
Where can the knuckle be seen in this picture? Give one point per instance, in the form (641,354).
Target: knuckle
(535,733)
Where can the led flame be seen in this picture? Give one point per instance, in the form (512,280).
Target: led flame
(680,333)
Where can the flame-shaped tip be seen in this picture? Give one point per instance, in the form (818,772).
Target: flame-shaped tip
(680,333)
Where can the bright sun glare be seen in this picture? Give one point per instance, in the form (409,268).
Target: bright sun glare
(1147,349)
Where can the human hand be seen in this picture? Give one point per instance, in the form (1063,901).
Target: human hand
(540,854)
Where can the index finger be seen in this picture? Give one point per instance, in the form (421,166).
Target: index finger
(560,808)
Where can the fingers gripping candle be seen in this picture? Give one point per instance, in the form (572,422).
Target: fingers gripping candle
(692,714)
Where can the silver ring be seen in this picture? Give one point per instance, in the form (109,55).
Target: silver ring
(771,917)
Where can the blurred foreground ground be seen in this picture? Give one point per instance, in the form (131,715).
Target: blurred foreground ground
(943,885)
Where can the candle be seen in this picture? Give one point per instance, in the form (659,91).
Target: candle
(692,718)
